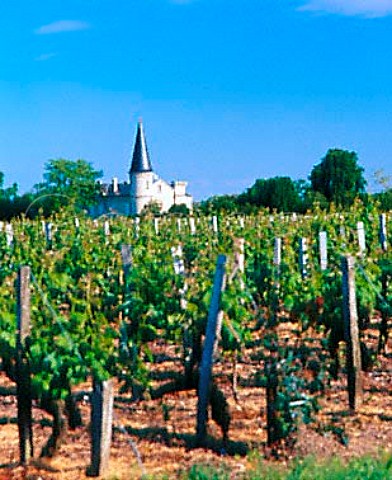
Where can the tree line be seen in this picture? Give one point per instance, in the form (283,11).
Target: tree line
(66,184)
(338,179)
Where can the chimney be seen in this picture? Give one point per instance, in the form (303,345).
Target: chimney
(115,184)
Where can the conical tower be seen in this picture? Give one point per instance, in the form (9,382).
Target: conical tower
(141,176)
(140,157)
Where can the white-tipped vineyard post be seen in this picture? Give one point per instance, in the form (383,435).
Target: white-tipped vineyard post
(342,233)
(323,250)
(23,369)
(49,234)
(101,427)
(156,225)
(77,223)
(361,238)
(277,255)
(351,333)
(208,350)
(239,259)
(178,262)
(137,226)
(215,224)
(106,228)
(383,232)
(9,233)
(192,225)
(303,257)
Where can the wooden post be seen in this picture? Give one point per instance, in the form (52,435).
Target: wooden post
(23,371)
(208,349)
(383,232)
(383,338)
(271,373)
(101,427)
(351,333)
(126,258)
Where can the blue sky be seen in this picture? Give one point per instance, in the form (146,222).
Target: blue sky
(229,90)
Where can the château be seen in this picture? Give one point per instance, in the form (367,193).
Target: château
(143,188)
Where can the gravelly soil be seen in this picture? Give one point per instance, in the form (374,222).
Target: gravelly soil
(163,429)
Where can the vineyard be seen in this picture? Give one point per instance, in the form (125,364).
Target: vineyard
(204,338)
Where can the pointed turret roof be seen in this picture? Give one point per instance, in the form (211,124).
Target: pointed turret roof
(140,157)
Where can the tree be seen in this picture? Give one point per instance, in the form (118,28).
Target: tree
(338,177)
(179,209)
(219,203)
(8,197)
(384,198)
(7,193)
(277,193)
(68,182)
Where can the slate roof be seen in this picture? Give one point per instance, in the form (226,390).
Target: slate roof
(140,157)
(123,190)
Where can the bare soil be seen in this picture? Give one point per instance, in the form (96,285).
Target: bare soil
(163,430)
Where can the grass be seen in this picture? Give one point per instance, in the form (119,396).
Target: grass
(365,468)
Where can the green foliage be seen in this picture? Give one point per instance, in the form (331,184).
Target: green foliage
(180,209)
(7,193)
(384,199)
(338,177)
(91,318)
(301,469)
(219,204)
(278,193)
(152,209)
(68,183)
